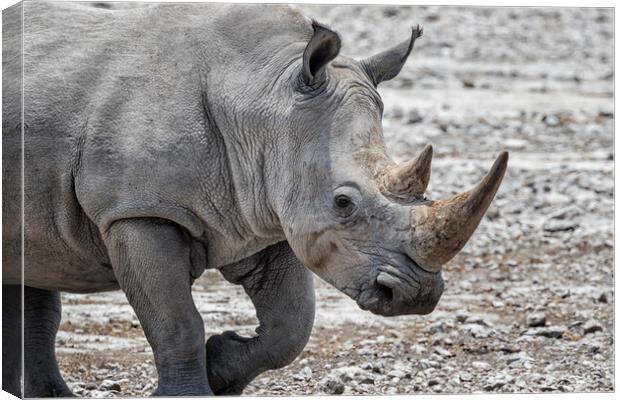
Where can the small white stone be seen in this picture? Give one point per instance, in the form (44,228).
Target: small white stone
(481,365)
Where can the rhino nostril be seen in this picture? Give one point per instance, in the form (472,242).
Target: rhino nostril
(385,292)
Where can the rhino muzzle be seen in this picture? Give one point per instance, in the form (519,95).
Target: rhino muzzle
(401,289)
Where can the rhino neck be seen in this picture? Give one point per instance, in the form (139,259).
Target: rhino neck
(247,87)
(246,123)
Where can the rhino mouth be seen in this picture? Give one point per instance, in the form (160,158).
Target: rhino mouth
(401,289)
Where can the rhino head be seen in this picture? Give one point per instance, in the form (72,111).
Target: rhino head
(350,213)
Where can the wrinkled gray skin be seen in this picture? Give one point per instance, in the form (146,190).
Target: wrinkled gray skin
(161,140)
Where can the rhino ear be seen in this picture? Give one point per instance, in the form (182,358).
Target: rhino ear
(321,49)
(386,65)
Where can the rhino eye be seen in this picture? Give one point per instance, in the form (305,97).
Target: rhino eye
(343,201)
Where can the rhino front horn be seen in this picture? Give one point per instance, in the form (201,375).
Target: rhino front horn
(440,229)
(410,178)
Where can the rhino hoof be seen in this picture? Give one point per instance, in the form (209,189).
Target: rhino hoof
(226,376)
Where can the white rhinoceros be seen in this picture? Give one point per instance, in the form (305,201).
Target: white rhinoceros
(162,140)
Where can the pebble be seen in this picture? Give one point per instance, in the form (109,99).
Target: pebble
(351,373)
(367,381)
(481,365)
(461,316)
(510,348)
(551,120)
(468,83)
(536,319)
(519,360)
(333,386)
(442,352)
(571,335)
(397,373)
(478,331)
(549,332)
(417,349)
(516,144)
(433,382)
(466,377)
(559,225)
(498,381)
(99,393)
(426,363)
(497,304)
(110,385)
(414,116)
(602,297)
(512,263)
(304,375)
(493,384)
(437,327)
(571,211)
(475,319)
(592,326)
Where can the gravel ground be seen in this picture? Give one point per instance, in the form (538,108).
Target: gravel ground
(528,305)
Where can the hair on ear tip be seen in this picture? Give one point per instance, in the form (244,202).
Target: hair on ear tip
(417,31)
(316,24)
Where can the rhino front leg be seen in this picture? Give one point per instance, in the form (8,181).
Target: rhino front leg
(282,291)
(152,263)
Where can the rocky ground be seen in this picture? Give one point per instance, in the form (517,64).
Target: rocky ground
(528,305)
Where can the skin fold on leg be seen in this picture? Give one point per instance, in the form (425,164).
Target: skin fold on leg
(152,262)
(282,292)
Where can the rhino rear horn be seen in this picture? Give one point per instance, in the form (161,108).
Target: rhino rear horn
(386,65)
(321,49)
(410,178)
